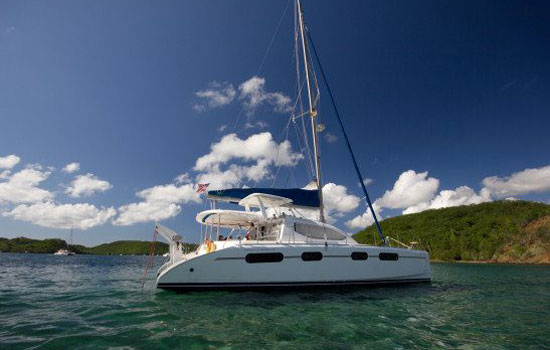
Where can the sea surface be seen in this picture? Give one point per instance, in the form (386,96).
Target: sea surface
(96,302)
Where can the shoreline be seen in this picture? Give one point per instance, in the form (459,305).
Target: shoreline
(490,262)
(472,262)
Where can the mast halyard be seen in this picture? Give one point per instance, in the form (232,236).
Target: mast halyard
(312,113)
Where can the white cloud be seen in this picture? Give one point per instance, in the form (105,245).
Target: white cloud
(86,185)
(337,201)
(520,183)
(331,138)
(71,168)
(22,187)
(5,174)
(462,195)
(254,95)
(222,128)
(367,181)
(215,96)
(9,162)
(366,219)
(257,147)
(259,124)
(411,188)
(218,179)
(159,203)
(81,216)
(183,178)
(260,149)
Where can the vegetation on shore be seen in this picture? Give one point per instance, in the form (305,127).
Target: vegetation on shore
(504,231)
(50,246)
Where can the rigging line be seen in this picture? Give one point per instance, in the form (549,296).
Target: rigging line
(309,171)
(304,135)
(264,57)
(346,137)
(279,148)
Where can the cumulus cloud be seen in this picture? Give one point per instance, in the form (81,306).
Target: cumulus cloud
(337,201)
(9,162)
(22,187)
(86,185)
(410,189)
(5,174)
(365,219)
(81,216)
(216,95)
(462,195)
(253,94)
(159,203)
(71,168)
(183,178)
(260,149)
(218,179)
(520,183)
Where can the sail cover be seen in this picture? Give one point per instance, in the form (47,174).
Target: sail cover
(299,197)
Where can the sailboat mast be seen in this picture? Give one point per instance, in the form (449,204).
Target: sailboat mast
(312,114)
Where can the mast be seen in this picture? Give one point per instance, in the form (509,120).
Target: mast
(312,114)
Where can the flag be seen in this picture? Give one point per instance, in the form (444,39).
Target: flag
(201,188)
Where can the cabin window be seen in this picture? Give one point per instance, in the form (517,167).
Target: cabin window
(359,256)
(388,256)
(317,231)
(264,258)
(312,256)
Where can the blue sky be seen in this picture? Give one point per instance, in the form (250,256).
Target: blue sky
(136,92)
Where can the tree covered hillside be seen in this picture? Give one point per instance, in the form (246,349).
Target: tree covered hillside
(50,246)
(505,231)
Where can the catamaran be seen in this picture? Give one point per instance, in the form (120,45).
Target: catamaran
(274,241)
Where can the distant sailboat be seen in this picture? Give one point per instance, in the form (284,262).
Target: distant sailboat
(66,252)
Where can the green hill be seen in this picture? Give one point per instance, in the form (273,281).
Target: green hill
(124,248)
(22,245)
(50,246)
(504,231)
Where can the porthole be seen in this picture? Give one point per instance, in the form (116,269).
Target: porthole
(359,256)
(253,258)
(388,256)
(312,256)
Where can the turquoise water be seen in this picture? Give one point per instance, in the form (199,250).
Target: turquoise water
(95,302)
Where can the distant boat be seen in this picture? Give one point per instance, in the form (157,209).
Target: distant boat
(64,252)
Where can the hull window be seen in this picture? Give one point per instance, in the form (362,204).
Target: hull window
(359,256)
(388,256)
(317,231)
(312,256)
(264,258)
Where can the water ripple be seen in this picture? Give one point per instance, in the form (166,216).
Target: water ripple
(92,302)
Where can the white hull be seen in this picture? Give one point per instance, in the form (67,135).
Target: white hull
(227,267)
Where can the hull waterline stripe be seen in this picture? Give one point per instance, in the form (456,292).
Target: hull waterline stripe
(325,256)
(287,284)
